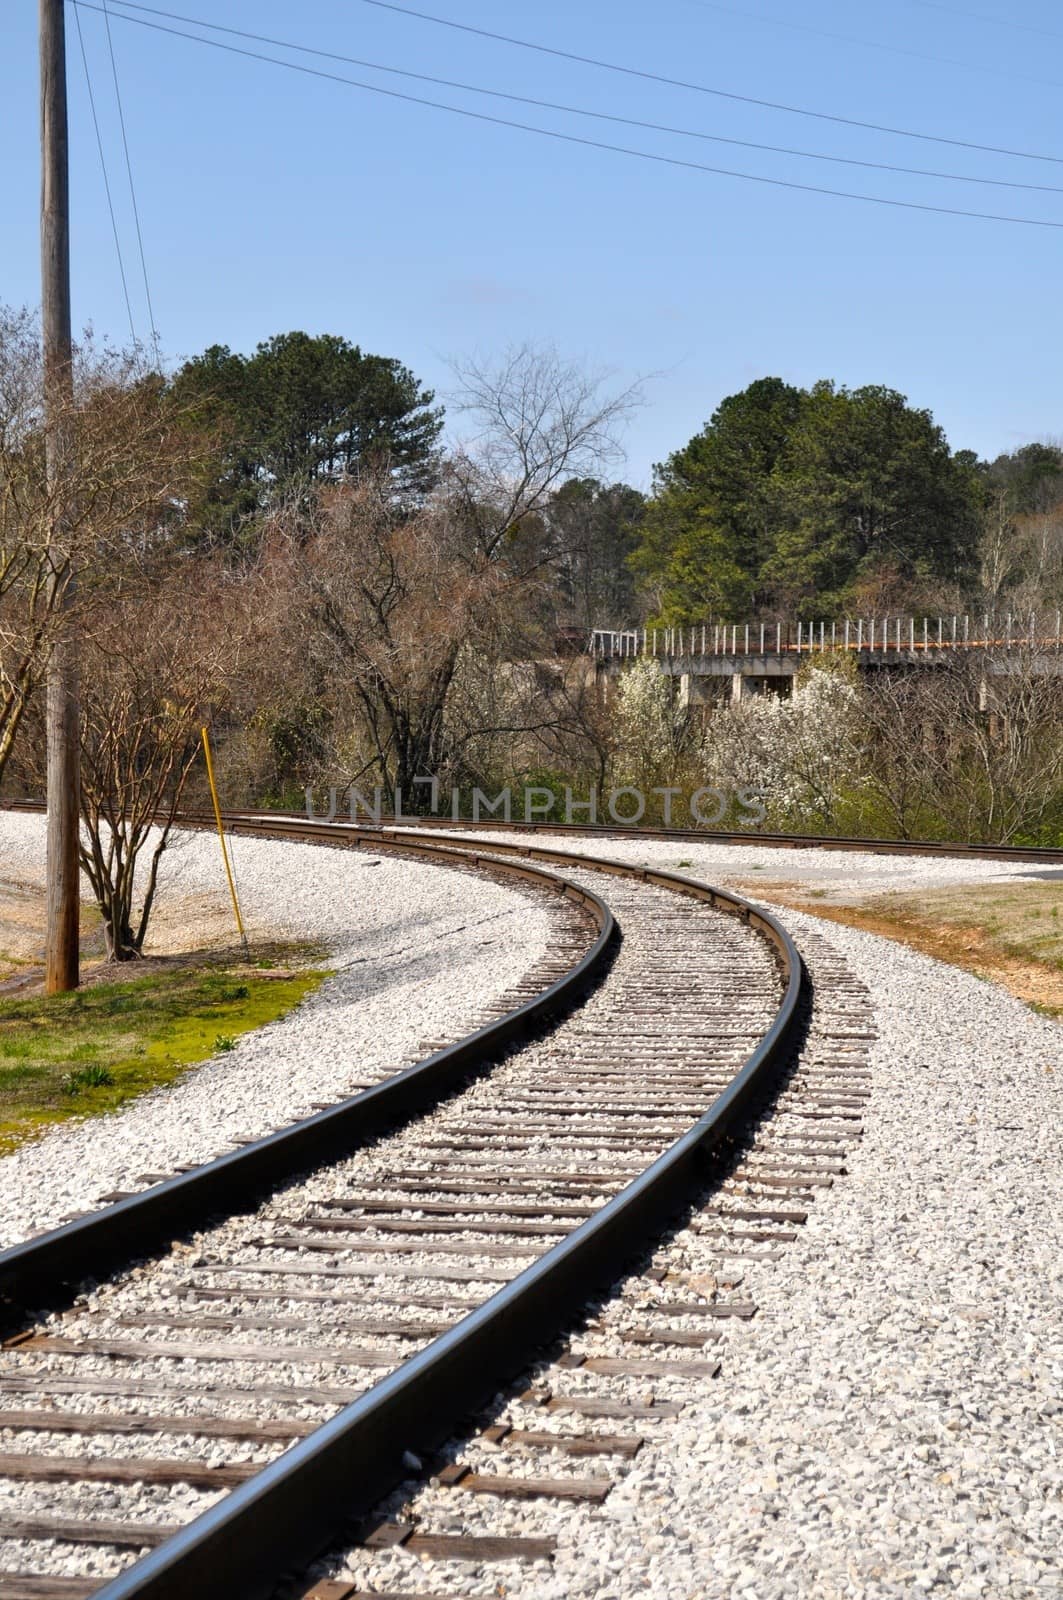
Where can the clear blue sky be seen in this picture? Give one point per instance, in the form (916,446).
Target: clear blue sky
(271,201)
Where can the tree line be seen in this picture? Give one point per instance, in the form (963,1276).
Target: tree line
(281,547)
(788,502)
(831,501)
(285,547)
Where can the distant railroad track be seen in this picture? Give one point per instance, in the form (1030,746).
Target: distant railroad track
(428,1220)
(1043,854)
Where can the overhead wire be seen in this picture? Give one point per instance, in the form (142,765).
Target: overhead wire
(581,111)
(994,22)
(577,139)
(702,88)
(872,44)
(132,187)
(106,179)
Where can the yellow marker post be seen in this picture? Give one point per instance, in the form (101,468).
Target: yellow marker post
(221,836)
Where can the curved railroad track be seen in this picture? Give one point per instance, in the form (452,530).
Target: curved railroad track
(40,1271)
(439,1257)
(521,1501)
(682,836)
(1046,855)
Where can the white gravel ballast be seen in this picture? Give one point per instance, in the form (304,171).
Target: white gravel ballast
(419,951)
(890,1424)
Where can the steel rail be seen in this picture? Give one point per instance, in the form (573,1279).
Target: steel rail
(1046,854)
(43,1272)
(281,1519)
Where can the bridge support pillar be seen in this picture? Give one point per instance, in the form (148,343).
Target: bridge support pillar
(695,690)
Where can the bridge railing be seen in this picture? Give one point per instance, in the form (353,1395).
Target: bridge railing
(893,635)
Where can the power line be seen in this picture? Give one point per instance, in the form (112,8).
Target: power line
(132,187)
(580,111)
(577,139)
(994,22)
(873,44)
(701,88)
(106,179)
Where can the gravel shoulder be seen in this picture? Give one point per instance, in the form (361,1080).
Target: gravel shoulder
(418,950)
(889,1425)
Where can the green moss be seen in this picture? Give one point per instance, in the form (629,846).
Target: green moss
(89,1052)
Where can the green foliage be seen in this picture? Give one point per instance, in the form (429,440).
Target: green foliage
(92,1077)
(1032,477)
(293,742)
(302,409)
(867,482)
(1048,835)
(710,526)
(217,393)
(1022,543)
(594,528)
(840,665)
(794,497)
(542,778)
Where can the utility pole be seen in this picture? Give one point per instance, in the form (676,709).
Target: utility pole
(61,957)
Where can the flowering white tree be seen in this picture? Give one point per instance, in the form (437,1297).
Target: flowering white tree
(800,755)
(652,729)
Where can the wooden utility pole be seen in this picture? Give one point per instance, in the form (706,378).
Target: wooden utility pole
(61,958)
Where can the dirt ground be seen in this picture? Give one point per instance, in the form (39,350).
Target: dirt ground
(189,926)
(1007,933)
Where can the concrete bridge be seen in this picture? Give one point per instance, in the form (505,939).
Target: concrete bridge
(717,662)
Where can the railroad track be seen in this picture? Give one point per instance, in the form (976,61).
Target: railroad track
(1044,855)
(582,933)
(1041,854)
(230,1405)
(521,1502)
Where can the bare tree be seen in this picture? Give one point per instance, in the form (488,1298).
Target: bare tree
(974,752)
(510,719)
(159,655)
(133,464)
(31,587)
(405,608)
(1039,536)
(155,668)
(383,603)
(1007,771)
(537,420)
(906,741)
(1000,557)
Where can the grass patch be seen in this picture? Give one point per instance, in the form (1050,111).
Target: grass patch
(89,1052)
(1007,933)
(94,1077)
